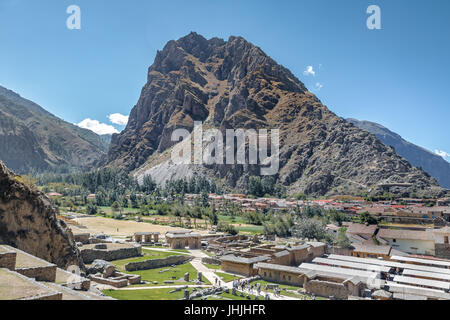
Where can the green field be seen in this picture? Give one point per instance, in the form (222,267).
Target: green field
(227,277)
(151,294)
(212,266)
(251,229)
(173,274)
(163,294)
(210,254)
(147,255)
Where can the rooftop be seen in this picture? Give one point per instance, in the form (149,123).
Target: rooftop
(356,228)
(235,259)
(382,250)
(405,234)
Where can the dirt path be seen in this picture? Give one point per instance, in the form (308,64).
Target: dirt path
(120,228)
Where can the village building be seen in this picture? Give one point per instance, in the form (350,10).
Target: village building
(409,241)
(371,251)
(442,242)
(364,231)
(241,265)
(280,274)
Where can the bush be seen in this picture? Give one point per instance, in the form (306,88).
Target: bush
(228,228)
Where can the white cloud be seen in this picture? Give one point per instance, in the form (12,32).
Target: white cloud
(318,86)
(309,71)
(118,119)
(443,154)
(97,127)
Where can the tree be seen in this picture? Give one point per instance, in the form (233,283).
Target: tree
(213,217)
(366,217)
(342,241)
(148,185)
(300,196)
(205,200)
(115,207)
(309,228)
(91,209)
(228,228)
(134,201)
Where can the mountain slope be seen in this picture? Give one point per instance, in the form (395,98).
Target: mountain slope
(234,84)
(32,139)
(435,165)
(28,222)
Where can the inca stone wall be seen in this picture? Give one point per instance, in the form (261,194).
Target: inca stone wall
(47,273)
(442,250)
(8,260)
(157,263)
(327,289)
(89,254)
(210,260)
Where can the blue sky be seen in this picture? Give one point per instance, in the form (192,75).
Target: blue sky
(397,76)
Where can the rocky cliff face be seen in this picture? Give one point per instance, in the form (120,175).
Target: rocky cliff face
(419,157)
(32,139)
(28,222)
(234,84)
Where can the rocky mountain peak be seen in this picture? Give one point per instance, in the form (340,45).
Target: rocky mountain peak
(234,84)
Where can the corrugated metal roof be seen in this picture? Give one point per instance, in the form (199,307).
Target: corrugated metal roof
(439,263)
(424,274)
(408,289)
(423,282)
(277,267)
(352,265)
(392,264)
(233,258)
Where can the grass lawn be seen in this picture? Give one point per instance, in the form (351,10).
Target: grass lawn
(180,250)
(210,254)
(151,294)
(281,286)
(176,272)
(163,294)
(229,296)
(227,277)
(236,219)
(250,229)
(212,266)
(147,255)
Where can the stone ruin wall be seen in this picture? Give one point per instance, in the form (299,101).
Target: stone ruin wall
(157,263)
(326,289)
(89,255)
(211,260)
(47,273)
(8,260)
(442,250)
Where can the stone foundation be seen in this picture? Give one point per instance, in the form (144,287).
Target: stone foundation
(442,250)
(327,289)
(111,253)
(8,260)
(47,273)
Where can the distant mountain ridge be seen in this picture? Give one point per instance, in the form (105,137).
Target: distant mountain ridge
(33,139)
(419,157)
